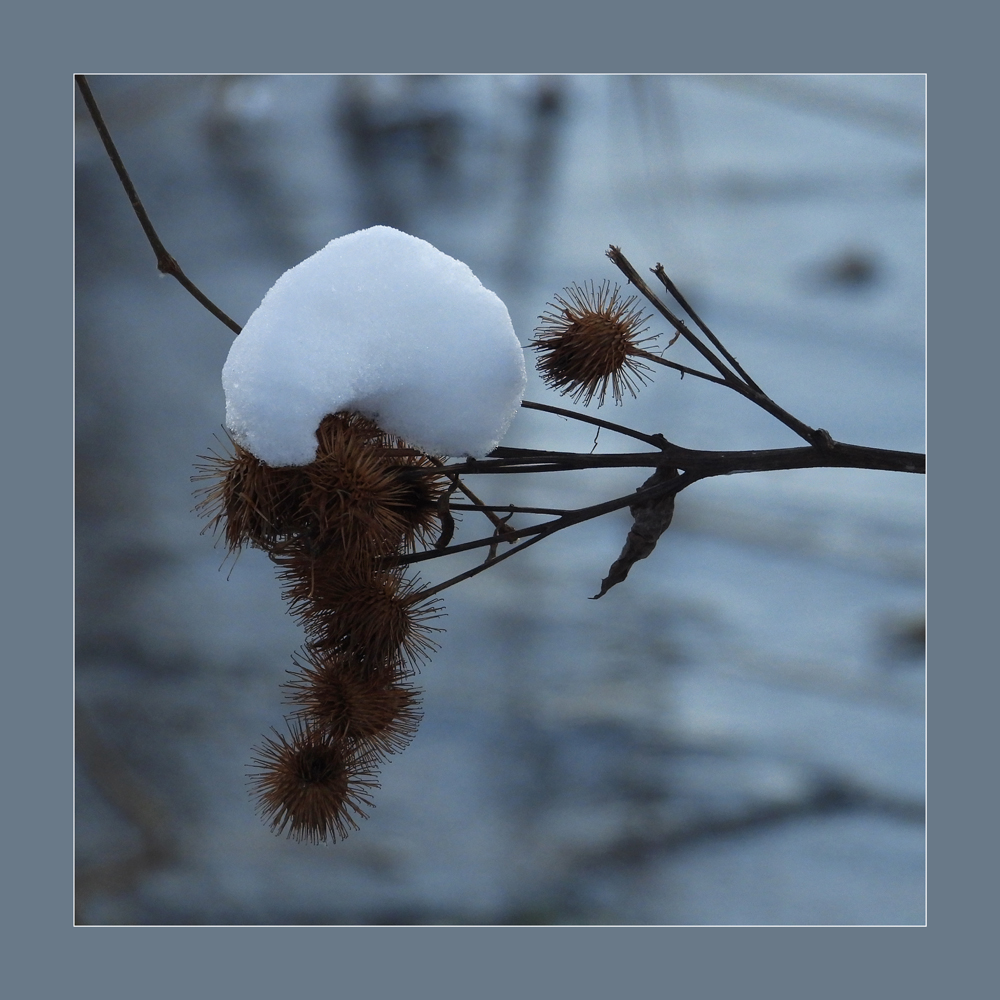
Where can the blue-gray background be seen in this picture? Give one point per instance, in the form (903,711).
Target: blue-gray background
(734,735)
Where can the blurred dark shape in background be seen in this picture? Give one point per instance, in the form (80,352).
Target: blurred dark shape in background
(905,641)
(545,109)
(240,130)
(855,269)
(413,151)
(403,140)
(852,270)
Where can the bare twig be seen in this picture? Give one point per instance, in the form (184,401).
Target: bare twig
(497,539)
(672,485)
(476,570)
(578,516)
(673,290)
(657,440)
(458,484)
(697,465)
(165,263)
(819,438)
(512,508)
(683,369)
(837,454)
(622,263)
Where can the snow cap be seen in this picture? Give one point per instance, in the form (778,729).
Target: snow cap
(384,324)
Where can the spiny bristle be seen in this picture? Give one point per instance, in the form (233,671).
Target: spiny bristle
(338,695)
(329,526)
(588,342)
(255,504)
(373,614)
(311,782)
(366,491)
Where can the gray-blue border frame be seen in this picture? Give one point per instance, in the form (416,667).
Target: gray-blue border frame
(44,46)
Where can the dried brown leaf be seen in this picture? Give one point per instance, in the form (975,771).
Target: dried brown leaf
(650,520)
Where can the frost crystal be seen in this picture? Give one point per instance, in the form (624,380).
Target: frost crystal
(383,324)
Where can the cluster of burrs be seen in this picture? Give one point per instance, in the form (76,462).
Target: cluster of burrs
(335,529)
(332,528)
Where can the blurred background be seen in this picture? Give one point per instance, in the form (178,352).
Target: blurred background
(735,735)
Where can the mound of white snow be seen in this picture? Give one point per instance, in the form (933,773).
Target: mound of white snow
(384,324)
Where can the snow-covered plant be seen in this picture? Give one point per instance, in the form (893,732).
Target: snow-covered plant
(374,379)
(376,344)
(385,325)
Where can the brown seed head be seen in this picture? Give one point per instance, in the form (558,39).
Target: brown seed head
(254,503)
(588,341)
(374,615)
(366,492)
(310,783)
(338,695)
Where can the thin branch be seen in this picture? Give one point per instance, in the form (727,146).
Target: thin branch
(673,290)
(697,465)
(683,369)
(578,516)
(642,460)
(674,485)
(165,263)
(478,543)
(510,508)
(516,460)
(482,567)
(707,463)
(501,526)
(657,440)
(622,263)
(817,437)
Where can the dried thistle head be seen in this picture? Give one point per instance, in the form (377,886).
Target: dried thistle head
(334,693)
(311,782)
(368,491)
(375,615)
(254,503)
(588,341)
(365,492)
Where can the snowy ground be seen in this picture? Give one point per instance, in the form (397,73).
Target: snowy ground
(734,735)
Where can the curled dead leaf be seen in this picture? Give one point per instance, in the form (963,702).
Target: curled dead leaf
(650,520)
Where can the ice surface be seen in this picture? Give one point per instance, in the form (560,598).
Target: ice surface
(384,324)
